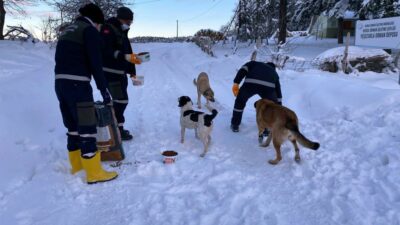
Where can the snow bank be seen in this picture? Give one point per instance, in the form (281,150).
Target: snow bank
(362,59)
(353,53)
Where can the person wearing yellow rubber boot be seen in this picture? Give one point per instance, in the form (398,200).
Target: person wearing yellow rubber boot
(78,58)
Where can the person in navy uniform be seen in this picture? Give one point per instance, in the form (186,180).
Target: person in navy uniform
(259,78)
(78,58)
(119,61)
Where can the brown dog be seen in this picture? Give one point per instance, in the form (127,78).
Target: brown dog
(282,124)
(203,88)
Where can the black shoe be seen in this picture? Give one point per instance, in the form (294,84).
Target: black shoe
(125,135)
(235,128)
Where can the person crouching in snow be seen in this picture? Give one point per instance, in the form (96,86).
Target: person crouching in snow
(119,60)
(259,78)
(78,57)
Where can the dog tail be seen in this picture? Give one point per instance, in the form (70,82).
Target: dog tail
(209,118)
(292,126)
(194,82)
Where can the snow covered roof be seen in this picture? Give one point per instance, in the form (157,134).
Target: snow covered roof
(350,15)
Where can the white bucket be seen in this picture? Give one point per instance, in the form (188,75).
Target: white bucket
(144,56)
(138,81)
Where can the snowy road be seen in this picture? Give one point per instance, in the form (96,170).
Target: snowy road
(352,179)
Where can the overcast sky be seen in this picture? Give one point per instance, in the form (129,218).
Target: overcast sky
(154,17)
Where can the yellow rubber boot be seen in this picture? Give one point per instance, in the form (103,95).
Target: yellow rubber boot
(75,161)
(95,172)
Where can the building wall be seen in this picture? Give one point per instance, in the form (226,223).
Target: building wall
(326,27)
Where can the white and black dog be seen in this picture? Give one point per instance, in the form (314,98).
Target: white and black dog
(201,123)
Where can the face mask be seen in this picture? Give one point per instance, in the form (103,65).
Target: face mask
(125,27)
(98,27)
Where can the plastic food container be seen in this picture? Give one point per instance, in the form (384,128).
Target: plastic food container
(144,56)
(169,156)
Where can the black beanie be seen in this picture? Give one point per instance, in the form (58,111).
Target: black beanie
(124,13)
(92,12)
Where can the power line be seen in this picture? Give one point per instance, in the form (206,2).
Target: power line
(203,13)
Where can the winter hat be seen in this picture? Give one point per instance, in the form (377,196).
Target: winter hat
(92,12)
(124,13)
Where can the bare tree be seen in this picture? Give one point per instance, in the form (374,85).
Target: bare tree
(18,33)
(13,7)
(49,29)
(68,9)
(2,18)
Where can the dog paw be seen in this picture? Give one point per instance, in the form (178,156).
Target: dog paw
(297,159)
(264,145)
(273,162)
(202,155)
(182,141)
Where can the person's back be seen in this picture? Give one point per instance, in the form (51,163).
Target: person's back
(260,71)
(259,78)
(70,58)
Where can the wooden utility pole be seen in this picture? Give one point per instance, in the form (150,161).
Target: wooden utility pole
(177,28)
(345,61)
(282,21)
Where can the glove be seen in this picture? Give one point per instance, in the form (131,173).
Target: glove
(106,97)
(132,58)
(235,89)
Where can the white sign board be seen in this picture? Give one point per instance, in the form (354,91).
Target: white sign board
(381,33)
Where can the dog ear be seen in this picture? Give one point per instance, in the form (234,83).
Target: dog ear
(255,103)
(181,101)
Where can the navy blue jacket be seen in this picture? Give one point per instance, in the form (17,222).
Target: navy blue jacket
(82,59)
(260,74)
(116,45)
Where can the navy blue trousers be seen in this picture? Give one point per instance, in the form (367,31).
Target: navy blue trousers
(118,86)
(245,92)
(77,109)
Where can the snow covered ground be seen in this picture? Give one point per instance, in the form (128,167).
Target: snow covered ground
(352,179)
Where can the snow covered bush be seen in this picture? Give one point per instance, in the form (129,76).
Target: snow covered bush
(360,59)
(214,35)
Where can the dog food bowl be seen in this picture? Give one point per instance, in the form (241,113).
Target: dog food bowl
(169,156)
(144,56)
(138,81)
